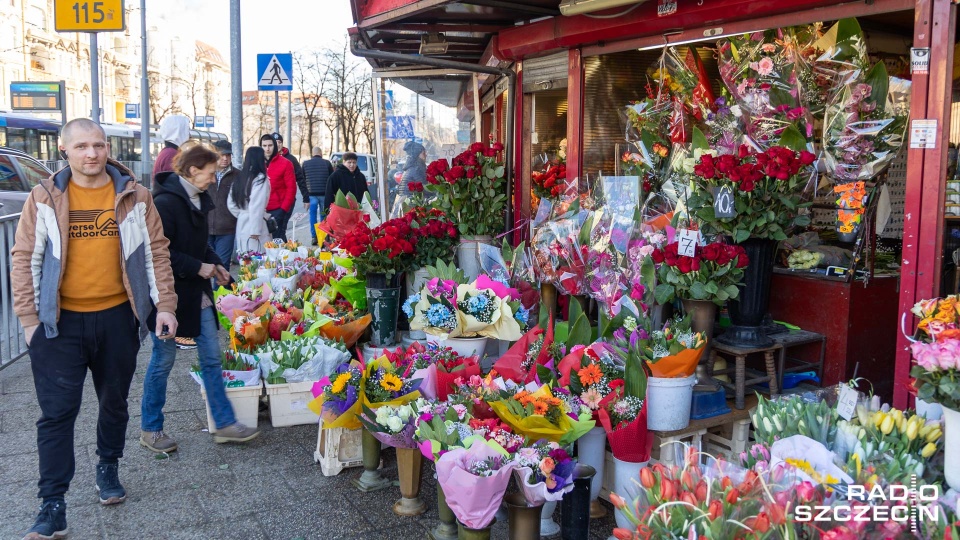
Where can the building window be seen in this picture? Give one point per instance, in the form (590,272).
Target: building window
(37,17)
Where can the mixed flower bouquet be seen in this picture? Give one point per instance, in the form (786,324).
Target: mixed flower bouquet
(250,329)
(439,368)
(472,190)
(544,414)
(760,71)
(533,349)
(544,472)
(937,351)
(649,129)
(338,397)
(888,442)
(493,429)
(672,351)
(589,373)
(446,308)
(238,370)
(560,255)
(624,416)
(393,425)
(827,61)
(474,480)
(713,273)
(386,249)
(241,298)
(767,188)
(442,427)
(723,125)
(383,385)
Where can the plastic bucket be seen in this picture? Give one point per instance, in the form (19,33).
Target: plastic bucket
(669,402)
(462,346)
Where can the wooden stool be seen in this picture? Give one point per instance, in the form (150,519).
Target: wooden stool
(797,338)
(740,369)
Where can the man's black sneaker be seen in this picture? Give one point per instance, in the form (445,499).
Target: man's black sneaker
(108,484)
(51,521)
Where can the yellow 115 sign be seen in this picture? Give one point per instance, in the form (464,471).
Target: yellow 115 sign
(89,15)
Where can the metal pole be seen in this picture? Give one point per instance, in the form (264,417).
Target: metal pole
(383,193)
(276,111)
(477,113)
(145,167)
(289,139)
(236,84)
(94,79)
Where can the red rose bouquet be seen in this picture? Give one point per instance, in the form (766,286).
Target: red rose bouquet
(713,273)
(435,236)
(473,190)
(549,183)
(387,249)
(767,189)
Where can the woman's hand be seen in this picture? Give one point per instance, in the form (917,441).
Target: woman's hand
(206,270)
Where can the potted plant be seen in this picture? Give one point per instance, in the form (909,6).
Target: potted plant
(380,255)
(702,282)
(473,193)
(766,192)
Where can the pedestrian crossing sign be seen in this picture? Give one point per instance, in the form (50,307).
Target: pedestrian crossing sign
(275,72)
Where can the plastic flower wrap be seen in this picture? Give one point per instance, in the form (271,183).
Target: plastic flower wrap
(474,480)
(812,460)
(299,360)
(383,385)
(864,128)
(394,425)
(239,370)
(519,363)
(559,255)
(723,126)
(827,61)
(338,397)
(541,414)
(442,427)
(689,81)
(544,472)
(671,352)
(509,272)
(250,329)
(436,309)
(775,419)
(606,234)
(648,130)
(445,367)
(493,429)
(344,215)
(760,71)
(247,298)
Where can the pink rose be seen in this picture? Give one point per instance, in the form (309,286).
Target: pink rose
(925,355)
(949,357)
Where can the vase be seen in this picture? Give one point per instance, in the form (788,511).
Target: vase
(447,529)
(524,519)
(409,464)
(466,533)
(371,480)
(383,302)
(415,283)
(702,314)
(575,505)
(591,450)
(625,485)
(548,527)
(748,311)
(670,400)
(468,255)
(474,346)
(929,410)
(951,447)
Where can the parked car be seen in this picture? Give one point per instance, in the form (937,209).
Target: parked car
(19,173)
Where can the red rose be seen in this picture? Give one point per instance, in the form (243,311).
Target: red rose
(747,185)
(685,264)
(710,252)
(416,187)
(694,264)
(498,146)
(657,256)
(476,147)
(471,173)
(742,259)
(489,152)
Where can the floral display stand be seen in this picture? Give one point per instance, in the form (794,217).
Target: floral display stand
(338,449)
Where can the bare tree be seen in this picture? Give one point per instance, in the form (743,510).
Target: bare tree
(311,76)
(349,95)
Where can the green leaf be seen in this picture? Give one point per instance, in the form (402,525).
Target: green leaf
(499,172)
(634,378)
(699,140)
(698,291)
(741,236)
(792,138)
(732,291)
(664,293)
(711,286)
(879,81)
(580,333)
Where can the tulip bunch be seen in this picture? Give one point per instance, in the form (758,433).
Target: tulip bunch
(784,417)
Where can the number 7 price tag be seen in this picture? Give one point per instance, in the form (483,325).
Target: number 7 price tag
(687,240)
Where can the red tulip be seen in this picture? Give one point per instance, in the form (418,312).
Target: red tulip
(715,509)
(733,496)
(647,480)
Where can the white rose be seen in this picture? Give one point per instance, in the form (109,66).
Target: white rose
(404,412)
(394,424)
(382,414)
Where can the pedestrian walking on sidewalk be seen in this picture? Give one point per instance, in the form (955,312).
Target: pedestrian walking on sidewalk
(90,276)
(298,171)
(283,185)
(223,224)
(248,202)
(183,204)
(174,130)
(318,171)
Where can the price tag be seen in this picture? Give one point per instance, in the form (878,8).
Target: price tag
(847,403)
(688,242)
(723,202)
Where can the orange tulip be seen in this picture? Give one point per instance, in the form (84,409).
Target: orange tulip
(623,534)
(617,501)
(777,515)
(647,480)
(667,490)
(701,491)
(726,482)
(733,496)
(686,479)
(715,509)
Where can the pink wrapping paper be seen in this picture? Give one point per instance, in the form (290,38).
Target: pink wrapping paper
(473,499)
(428,381)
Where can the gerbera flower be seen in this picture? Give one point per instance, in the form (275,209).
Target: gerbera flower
(590,374)
(591,398)
(391,382)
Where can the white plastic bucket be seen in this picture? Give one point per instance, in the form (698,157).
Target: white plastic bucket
(668,402)
(475,346)
(627,479)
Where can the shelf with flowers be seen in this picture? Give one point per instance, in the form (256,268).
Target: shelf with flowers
(472,192)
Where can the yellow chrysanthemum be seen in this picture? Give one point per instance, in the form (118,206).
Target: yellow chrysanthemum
(391,382)
(340,383)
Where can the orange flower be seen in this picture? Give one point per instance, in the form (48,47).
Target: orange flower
(590,374)
(540,408)
(647,480)
(715,509)
(617,501)
(952,333)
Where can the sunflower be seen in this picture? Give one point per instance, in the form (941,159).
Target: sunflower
(590,375)
(391,382)
(340,383)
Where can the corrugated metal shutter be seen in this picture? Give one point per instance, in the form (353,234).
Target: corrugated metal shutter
(546,72)
(611,81)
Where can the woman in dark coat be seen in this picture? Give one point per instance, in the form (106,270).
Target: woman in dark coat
(183,205)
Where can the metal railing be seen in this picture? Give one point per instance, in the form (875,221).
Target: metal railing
(12,343)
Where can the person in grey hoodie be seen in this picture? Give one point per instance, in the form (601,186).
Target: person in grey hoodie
(174,130)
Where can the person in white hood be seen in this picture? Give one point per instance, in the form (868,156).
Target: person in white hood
(174,130)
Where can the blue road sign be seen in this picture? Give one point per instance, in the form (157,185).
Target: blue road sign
(275,72)
(199,121)
(388,101)
(400,127)
(209,121)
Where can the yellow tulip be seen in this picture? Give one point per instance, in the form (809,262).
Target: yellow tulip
(934,435)
(878,418)
(887,425)
(928,450)
(912,429)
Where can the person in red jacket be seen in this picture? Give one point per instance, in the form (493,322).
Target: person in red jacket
(283,185)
